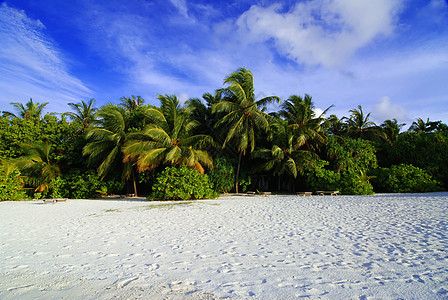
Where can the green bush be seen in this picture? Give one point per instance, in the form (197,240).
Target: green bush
(182,183)
(323,180)
(77,185)
(244,182)
(222,176)
(11,187)
(355,183)
(427,151)
(347,182)
(404,178)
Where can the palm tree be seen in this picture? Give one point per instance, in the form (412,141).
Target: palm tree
(422,126)
(84,113)
(335,126)
(284,156)
(299,112)
(105,142)
(168,139)
(359,125)
(31,110)
(133,103)
(241,113)
(7,167)
(391,130)
(202,113)
(37,166)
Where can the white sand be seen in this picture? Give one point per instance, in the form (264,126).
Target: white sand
(277,247)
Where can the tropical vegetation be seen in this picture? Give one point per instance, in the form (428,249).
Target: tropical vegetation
(228,141)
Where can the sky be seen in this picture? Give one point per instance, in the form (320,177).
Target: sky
(389,56)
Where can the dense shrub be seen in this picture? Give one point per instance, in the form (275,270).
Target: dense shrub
(222,176)
(404,178)
(11,187)
(347,182)
(428,151)
(355,183)
(320,179)
(182,183)
(353,155)
(77,185)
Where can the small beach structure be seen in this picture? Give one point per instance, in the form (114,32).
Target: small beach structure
(324,193)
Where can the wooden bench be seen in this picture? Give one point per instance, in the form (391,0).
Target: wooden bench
(331,193)
(304,193)
(265,193)
(54,200)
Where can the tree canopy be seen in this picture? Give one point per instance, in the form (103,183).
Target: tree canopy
(126,145)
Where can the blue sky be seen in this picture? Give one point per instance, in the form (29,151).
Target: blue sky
(390,56)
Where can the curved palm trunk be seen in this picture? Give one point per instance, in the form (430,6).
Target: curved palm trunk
(238,172)
(134,182)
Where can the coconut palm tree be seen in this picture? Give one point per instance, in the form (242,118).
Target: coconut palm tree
(359,126)
(84,113)
(105,142)
(334,125)
(301,117)
(202,112)
(284,157)
(391,130)
(168,140)
(243,114)
(421,126)
(7,166)
(31,110)
(132,103)
(37,166)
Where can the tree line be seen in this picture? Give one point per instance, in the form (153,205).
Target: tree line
(228,136)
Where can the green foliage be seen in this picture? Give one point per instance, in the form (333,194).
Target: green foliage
(182,183)
(169,140)
(347,182)
(428,151)
(404,178)
(16,131)
(222,176)
(350,161)
(121,139)
(245,182)
(352,155)
(319,178)
(353,183)
(77,185)
(37,166)
(11,187)
(359,126)
(243,115)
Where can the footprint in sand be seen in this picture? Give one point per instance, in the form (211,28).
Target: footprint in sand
(125,282)
(19,267)
(152,267)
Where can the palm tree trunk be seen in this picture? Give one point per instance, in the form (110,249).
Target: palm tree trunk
(279,183)
(134,182)
(238,172)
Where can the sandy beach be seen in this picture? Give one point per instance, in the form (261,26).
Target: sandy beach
(237,247)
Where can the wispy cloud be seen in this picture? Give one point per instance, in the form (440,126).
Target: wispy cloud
(181,5)
(32,66)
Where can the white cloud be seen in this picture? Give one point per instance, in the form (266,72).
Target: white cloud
(385,110)
(32,66)
(323,32)
(181,5)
